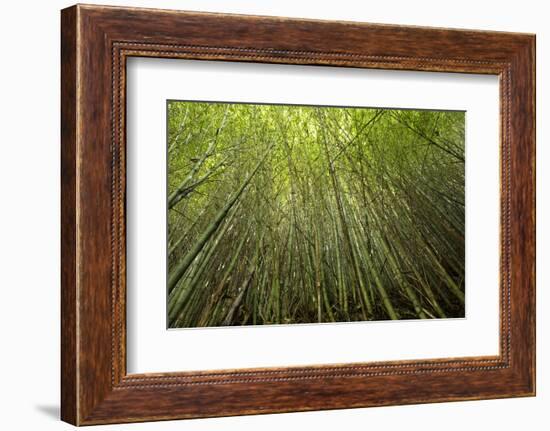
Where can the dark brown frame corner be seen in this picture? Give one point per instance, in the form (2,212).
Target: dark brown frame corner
(95,43)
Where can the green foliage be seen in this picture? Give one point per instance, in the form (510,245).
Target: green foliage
(297,214)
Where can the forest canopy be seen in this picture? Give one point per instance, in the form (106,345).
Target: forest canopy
(281,214)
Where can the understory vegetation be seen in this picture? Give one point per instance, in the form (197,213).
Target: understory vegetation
(298,214)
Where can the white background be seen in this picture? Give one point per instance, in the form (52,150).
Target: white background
(151,348)
(29,227)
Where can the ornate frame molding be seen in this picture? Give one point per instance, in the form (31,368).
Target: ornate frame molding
(96,41)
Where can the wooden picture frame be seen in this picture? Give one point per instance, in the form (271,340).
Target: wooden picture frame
(95,43)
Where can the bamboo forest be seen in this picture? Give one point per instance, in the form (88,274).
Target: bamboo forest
(283,214)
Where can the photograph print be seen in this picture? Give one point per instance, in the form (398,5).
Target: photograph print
(289,214)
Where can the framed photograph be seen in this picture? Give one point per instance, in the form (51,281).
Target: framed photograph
(264,215)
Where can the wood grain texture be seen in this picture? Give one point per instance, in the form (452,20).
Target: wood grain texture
(69,397)
(96,41)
